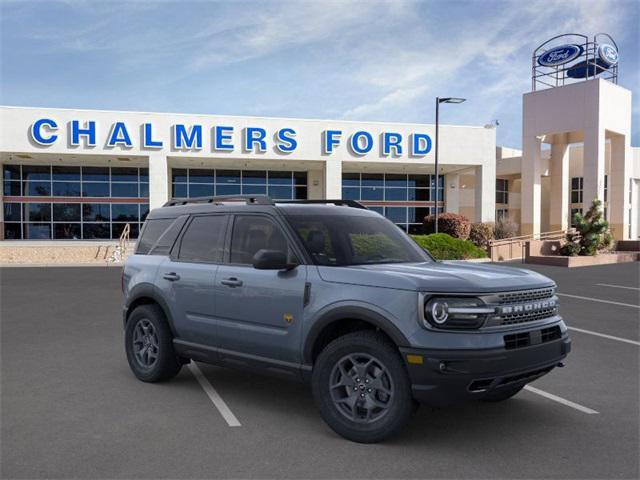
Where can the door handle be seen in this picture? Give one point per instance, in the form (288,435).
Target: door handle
(171,276)
(231,282)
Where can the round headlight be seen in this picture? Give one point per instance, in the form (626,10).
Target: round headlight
(439,311)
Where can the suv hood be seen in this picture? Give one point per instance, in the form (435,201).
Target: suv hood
(451,277)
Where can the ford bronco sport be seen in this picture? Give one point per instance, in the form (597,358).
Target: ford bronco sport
(336,295)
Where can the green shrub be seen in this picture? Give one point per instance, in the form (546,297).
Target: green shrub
(481,234)
(592,233)
(458,226)
(445,247)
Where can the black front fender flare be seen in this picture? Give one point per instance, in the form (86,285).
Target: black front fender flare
(351,312)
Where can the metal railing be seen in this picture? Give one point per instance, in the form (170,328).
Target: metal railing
(119,253)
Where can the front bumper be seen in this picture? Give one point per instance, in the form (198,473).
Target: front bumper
(451,376)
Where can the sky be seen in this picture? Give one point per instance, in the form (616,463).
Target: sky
(345,60)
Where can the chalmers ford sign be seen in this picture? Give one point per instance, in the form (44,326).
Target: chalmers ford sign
(220,138)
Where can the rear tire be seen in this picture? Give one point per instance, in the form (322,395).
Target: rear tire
(361,387)
(149,345)
(502,394)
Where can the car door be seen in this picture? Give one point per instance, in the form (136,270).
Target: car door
(187,277)
(259,312)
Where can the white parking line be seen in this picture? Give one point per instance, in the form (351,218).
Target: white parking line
(598,300)
(561,400)
(213,395)
(616,286)
(603,335)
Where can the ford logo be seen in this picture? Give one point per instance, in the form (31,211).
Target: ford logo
(608,54)
(560,55)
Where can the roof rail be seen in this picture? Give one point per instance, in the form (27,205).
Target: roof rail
(248,199)
(346,203)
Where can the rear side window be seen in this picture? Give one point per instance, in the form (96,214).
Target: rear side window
(152,231)
(168,238)
(203,240)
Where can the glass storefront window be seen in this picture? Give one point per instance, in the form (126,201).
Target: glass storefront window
(124,212)
(66,212)
(129,190)
(72,219)
(96,212)
(394,187)
(66,173)
(37,189)
(279,185)
(93,189)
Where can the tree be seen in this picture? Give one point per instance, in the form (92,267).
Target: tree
(592,233)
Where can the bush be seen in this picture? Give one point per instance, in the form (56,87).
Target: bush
(592,233)
(505,228)
(445,247)
(482,233)
(458,226)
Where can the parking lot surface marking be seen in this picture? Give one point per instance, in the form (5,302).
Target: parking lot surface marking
(561,400)
(215,397)
(598,300)
(616,286)
(603,335)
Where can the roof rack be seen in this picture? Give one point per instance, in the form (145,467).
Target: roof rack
(346,203)
(248,199)
(257,200)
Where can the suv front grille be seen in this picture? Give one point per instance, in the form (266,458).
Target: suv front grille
(527,297)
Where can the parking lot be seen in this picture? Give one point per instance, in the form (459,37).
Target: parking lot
(72,408)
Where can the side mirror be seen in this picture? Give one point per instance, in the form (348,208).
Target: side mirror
(271,260)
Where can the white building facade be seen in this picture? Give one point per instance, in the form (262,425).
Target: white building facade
(84,174)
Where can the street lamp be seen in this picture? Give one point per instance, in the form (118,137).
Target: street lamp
(438,102)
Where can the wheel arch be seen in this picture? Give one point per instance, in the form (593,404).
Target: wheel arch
(344,319)
(145,294)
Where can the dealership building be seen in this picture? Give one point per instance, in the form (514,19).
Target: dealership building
(85,174)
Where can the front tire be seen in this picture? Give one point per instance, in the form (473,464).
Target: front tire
(149,345)
(362,388)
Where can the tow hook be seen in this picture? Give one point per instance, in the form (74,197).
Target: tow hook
(560,364)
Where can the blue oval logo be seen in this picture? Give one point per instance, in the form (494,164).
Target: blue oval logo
(608,54)
(560,55)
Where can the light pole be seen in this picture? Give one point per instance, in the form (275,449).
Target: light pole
(438,102)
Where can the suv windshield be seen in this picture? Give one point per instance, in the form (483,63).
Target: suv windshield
(341,240)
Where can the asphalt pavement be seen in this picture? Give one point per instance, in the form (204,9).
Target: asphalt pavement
(70,406)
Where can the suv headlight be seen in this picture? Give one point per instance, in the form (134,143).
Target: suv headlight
(455,312)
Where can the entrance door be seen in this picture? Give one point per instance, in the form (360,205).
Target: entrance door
(259,312)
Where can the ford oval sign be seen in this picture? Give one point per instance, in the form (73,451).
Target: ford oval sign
(608,54)
(560,55)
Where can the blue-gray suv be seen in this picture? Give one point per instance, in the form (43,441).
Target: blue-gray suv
(336,295)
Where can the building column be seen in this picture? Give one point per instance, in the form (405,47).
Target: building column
(158,180)
(559,201)
(452,193)
(593,166)
(332,179)
(315,184)
(619,186)
(485,192)
(531,187)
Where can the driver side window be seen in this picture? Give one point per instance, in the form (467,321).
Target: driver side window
(252,233)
